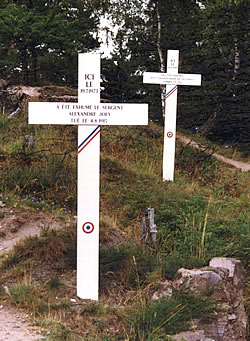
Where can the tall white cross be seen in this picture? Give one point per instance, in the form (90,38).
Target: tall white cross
(171,79)
(88,114)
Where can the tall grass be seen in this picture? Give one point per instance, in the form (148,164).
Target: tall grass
(202,214)
(154,320)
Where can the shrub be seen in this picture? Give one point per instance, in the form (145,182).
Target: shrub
(130,264)
(156,319)
(25,295)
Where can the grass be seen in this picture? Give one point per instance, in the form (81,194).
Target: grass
(232,151)
(202,214)
(154,320)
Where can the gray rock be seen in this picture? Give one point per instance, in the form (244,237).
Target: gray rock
(222,280)
(191,336)
(200,281)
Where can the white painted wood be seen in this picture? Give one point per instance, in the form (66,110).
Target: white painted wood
(88,114)
(170,118)
(87,279)
(168,79)
(171,79)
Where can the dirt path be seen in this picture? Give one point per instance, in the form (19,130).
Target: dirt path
(16,326)
(245,167)
(15,225)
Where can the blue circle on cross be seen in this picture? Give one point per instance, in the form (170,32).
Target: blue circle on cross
(88,227)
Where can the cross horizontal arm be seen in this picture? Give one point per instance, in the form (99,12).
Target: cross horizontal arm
(171,79)
(88,114)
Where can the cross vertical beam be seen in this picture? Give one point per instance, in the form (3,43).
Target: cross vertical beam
(88,182)
(170,118)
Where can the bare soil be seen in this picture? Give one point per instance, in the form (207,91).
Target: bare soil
(15,225)
(16,326)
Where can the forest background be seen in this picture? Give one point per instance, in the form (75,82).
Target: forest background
(40,41)
(203,214)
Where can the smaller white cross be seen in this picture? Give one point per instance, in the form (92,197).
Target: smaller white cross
(171,79)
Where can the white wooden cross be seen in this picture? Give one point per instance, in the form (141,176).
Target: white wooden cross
(171,79)
(89,114)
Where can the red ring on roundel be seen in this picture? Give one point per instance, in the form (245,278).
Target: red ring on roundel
(169,134)
(88,227)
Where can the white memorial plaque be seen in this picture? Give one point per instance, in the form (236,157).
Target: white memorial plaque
(89,114)
(171,79)
(168,79)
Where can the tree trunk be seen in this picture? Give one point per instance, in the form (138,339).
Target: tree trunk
(25,69)
(162,65)
(34,66)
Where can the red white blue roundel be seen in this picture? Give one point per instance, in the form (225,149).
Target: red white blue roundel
(169,134)
(88,227)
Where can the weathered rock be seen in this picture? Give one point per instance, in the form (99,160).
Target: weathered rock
(192,336)
(222,280)
(200,281)
(236,270)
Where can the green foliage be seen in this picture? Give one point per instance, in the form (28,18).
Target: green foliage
(22,293)
(198,165)
(138,52)
(170,264)
(213,40)
(60,333)
(40,40)
(52,246)
(11,260)
(43,175)
(132,264)
(225,61)
(93,308)
(54,282)
(203,214)
(239,248)
(26,296)
(154,320)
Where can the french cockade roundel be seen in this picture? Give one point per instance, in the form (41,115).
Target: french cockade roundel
(88,227)
(169,134)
